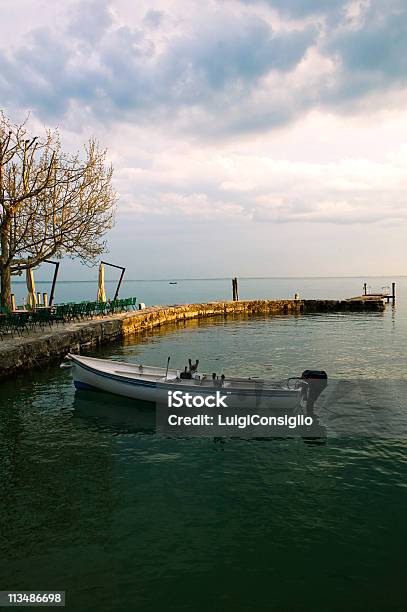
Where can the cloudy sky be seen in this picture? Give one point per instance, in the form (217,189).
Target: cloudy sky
(249,137)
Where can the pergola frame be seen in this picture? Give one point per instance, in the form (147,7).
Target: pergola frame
(54,280)
(106,263)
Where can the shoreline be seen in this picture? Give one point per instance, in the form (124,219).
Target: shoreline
(39,347)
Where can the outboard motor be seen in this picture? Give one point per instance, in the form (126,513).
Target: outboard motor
(317,381)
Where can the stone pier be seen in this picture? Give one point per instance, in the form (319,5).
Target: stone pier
(40,346)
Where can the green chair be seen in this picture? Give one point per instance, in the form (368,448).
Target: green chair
(42,318)
(20,322)
(101,308)
(58,314)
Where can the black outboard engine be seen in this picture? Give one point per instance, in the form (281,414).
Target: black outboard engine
(317,381)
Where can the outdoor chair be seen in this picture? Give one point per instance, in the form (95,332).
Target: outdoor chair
(42,317)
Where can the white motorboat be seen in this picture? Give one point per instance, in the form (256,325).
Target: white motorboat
(153,384)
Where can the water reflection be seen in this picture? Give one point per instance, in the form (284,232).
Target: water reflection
(122,415)
(347,408)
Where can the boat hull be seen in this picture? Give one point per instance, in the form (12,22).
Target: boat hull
(122,381)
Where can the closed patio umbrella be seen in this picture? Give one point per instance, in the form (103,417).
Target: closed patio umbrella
(31,297)
(101,286)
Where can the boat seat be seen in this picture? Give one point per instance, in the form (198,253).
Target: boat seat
(171,376)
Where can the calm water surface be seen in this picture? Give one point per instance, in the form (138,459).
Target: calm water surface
(93,502)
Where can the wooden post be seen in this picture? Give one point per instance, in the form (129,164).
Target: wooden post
(13,302)
(235,290)
(365,289)
(38,298)
(393,292)
(45,299)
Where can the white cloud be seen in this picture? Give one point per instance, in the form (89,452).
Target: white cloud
(250,188)
(233,116)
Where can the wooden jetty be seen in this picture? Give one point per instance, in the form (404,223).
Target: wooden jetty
(386,295)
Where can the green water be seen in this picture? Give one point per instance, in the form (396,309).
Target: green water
(94,503)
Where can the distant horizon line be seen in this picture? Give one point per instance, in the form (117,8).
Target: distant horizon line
(218,278)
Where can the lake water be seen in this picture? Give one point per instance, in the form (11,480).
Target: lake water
(94,503)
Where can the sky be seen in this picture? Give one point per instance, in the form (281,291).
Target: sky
(248,137)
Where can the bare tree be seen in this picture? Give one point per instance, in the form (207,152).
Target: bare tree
(51,203)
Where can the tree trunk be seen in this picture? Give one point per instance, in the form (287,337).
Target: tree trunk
(5,272)
(5,268)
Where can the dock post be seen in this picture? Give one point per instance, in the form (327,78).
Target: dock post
(38,298)
(393,292)
(235,290)
(13,302)
(365,289)
(45,299)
